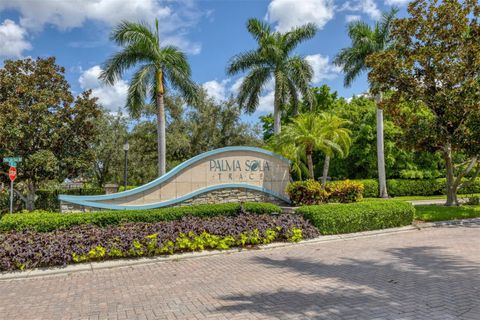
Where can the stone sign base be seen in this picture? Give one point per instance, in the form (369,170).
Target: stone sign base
(235,195)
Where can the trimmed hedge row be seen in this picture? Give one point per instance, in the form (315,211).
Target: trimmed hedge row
(355,217)
(43,221)
(406,187)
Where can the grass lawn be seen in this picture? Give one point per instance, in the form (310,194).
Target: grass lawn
(439,197)
(440,213)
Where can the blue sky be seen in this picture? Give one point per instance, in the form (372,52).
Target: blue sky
(209,31)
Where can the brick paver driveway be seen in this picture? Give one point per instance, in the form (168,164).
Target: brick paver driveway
(428,274)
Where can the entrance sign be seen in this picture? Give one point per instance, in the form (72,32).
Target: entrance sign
(231,174)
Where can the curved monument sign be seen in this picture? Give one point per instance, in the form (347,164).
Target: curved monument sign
(231,174)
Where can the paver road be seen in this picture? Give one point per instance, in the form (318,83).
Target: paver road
(428,274)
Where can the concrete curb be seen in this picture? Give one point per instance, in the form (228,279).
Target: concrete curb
(122,263)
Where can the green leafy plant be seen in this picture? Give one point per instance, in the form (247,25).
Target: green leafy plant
(48,221)
(362,216)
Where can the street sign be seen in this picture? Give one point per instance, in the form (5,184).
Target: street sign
(12,159)
(12,173)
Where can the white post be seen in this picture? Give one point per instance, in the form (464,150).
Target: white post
(11,196)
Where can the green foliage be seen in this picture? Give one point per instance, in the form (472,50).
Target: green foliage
(205,126)
(399,187)
(306,192)
(49,221)
(311,192)
(434,84)
(274,57)
(187,243)
(345,191)
(441,213)
(295,235)
(356,217)
(261,208)
(309,132)
(48,199)
(41,121)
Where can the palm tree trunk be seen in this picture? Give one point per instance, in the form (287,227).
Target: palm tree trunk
(326,165)
(276,115)
(382,180)
(161,142)
(309,153)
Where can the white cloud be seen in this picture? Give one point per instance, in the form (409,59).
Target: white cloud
(265,103)
(368,7)
(110,97)
(322,68)
(235,88)
(12,39)
(175,17)
(217,89)
(396,2)
(292,13)
(351,17)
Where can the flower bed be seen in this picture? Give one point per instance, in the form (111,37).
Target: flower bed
(30,249)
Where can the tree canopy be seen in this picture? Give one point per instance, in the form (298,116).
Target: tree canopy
(41,121)
(433,70)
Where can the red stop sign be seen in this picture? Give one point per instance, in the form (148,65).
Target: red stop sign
(12,173)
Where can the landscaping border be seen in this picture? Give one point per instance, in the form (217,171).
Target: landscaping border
(122,263)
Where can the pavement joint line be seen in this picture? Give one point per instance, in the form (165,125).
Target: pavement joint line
(124,263)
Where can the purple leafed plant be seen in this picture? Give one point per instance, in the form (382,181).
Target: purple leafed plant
(29,249)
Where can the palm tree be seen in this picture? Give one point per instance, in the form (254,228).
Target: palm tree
(338,134)
(274,58)
(366,41)
(160,67)
(308,132)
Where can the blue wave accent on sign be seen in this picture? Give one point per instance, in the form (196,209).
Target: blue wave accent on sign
(84,202)
(91,200)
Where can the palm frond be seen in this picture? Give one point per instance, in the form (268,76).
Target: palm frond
(137,91)
(245,61)
(294,37)
(258,29)
(251,88)
(127,33)
(117,64)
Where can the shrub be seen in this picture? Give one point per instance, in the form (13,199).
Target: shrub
(310,192)
(49,221)
(306,192)
(29,249)
(355,217)
(48,199)
(426,187)
(261,208)
(370,188)
(345,191)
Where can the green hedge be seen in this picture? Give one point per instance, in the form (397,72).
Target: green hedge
(355,217)
(49,221)
(48,199)
(421,187)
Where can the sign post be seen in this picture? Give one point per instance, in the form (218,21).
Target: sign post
(12,174)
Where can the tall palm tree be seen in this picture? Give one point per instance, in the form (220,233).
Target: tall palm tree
(308,132)
(338,134)
(366,41)
(274,58)
(159,67)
